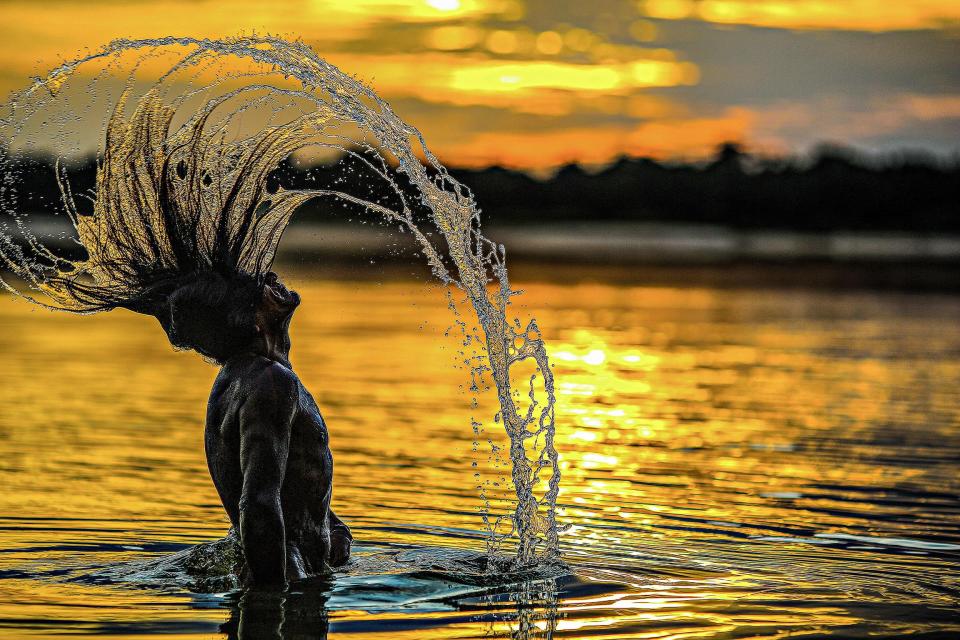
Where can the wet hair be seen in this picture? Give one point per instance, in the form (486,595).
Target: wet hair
(183,226)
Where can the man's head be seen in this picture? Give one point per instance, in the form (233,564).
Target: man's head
(221,317)
(276,306)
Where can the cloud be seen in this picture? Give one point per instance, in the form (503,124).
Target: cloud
(666,138)
(536,83)
(837,118)
(845,15)
(774,129)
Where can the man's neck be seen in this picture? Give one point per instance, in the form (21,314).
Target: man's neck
(268,347)
(276,348)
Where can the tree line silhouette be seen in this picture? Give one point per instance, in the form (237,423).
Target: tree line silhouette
(836,189)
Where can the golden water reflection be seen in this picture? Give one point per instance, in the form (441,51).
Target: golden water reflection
(736,463)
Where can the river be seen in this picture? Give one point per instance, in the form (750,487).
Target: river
(736,463)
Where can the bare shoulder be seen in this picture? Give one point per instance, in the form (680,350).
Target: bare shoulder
(263,369)
(265,380)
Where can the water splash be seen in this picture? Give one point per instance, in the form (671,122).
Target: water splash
(217,111)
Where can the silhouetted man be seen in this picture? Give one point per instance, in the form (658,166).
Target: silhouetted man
(267,451)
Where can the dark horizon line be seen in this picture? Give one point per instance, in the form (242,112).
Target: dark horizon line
(865,158)
(799,160)
(839,189)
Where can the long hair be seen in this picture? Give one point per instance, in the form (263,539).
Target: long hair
(177,204)
(183,226)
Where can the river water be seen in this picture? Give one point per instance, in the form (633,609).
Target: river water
(739,463)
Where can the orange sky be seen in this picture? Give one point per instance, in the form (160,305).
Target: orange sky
(537,83)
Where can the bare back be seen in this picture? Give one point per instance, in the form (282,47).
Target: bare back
(268,454)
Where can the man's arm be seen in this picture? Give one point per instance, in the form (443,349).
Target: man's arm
(265,421)
(340,539)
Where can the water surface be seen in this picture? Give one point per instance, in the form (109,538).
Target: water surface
(737,463)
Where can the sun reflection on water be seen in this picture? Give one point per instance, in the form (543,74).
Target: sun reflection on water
(732,461)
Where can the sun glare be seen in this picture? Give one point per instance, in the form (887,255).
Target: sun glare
(444,5)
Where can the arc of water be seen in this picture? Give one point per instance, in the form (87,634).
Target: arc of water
(337,97)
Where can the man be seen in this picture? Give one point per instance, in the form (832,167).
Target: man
(266,442)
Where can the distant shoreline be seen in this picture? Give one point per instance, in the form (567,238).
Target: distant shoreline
(622,243)
(659,255)
(669,243)
(614,242)
(653,253)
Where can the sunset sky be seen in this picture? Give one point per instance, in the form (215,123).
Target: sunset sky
(534,84)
